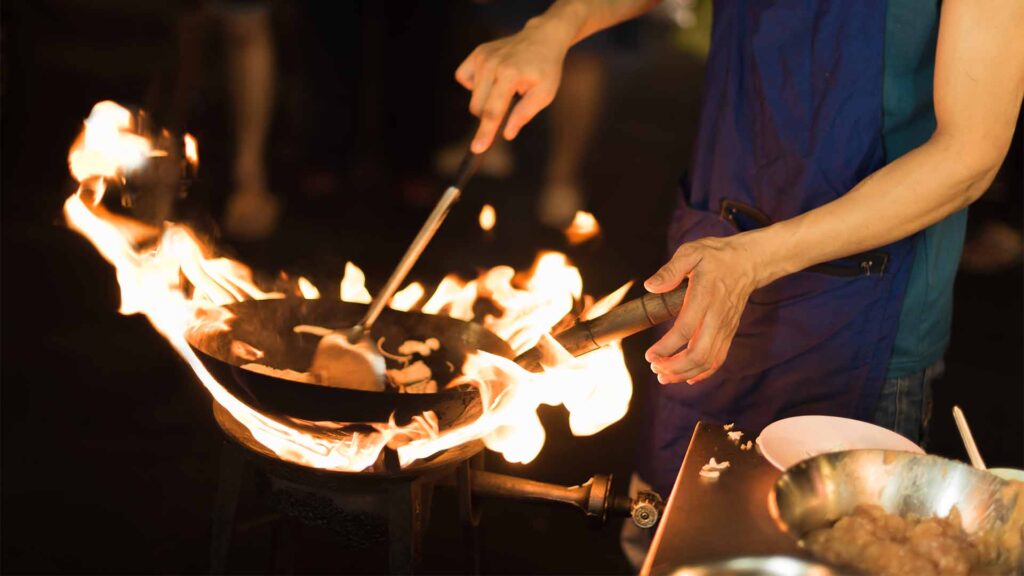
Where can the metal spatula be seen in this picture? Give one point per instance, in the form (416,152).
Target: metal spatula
(349,359)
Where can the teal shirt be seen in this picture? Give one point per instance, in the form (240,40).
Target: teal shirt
(908,121)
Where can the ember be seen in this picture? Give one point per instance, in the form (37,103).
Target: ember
(180,286)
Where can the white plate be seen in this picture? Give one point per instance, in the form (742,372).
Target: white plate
(788,441)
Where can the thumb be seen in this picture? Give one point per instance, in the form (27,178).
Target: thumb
(674,271)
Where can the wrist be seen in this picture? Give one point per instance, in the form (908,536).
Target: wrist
(562,22)
(770,259)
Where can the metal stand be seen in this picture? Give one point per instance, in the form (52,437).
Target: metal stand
(232,466)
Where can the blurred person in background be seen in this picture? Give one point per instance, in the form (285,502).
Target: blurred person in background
(572,121)
(822,220)
(251,210)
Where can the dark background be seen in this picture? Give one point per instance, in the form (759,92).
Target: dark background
(109,450)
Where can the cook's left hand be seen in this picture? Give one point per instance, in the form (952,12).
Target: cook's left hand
(722,273)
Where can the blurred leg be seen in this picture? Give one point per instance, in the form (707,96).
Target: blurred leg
(572,120)
(252,210)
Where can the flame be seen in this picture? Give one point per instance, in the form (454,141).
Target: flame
(353,285)
(454,297)
(181,287)
(191,150)
(488,217)
(602,306)
(584,227)
(407,297)
(308,290)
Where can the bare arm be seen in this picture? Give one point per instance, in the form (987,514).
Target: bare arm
(979,82)
(529,62)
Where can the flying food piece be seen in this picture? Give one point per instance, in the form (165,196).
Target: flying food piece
(401,359)
(339,364)
(747,446)
(424,348)
(735,435)
(283,373)
(245,351)
(414,373)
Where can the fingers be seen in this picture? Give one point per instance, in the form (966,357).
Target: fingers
(491,114)
(683,329)
(535,100)
(671,274)
(723,353)
(705,353)
(465,74)
(695,359)
(482,85)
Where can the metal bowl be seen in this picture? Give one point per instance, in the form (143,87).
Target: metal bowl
(818,491)
(757,566)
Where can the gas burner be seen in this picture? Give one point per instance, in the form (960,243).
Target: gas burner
(387,501)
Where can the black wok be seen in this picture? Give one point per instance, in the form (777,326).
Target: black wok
(268,325)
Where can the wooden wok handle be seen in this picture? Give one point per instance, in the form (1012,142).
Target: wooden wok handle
(619,322)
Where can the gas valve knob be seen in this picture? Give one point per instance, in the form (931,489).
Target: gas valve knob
(646,509)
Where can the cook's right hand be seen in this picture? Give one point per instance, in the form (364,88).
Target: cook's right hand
(528,63)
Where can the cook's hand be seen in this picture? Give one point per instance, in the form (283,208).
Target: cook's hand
(722,273)
(528,63)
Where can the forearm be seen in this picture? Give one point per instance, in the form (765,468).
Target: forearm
(917,190)
(979,84)
(574,20)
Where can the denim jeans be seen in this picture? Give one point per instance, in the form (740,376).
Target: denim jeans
(905,404)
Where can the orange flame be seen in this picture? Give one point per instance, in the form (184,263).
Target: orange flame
(191,150)
(488,217)
(181,287)
(584,227)
(353,285)
(308,290)
(407,297)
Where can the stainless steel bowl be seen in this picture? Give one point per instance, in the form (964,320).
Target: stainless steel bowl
(818,491)
(757,566)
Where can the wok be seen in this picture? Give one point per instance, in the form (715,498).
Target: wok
(268,325)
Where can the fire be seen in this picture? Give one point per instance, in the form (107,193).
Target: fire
(181,287)
(584,227)
(488,217)
(191,150)
(353,285)
(407,297)
(308,289)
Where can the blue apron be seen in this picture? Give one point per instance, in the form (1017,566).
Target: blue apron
(791,120)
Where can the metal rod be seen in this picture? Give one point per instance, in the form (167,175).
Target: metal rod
(591,497)
(412,254)
(467,168)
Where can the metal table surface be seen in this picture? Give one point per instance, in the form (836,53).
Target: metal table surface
(707,520)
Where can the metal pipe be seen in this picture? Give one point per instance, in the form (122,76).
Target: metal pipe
(593,497)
